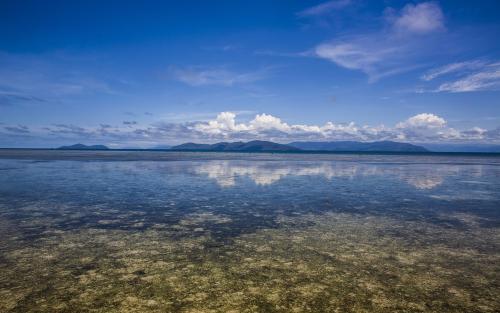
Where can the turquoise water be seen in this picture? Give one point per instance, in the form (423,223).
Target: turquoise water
(208,232)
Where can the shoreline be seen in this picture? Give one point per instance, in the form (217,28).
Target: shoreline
(171,155)
(352,152)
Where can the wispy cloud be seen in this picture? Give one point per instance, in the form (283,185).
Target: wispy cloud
(452,68)
(285,54)
(481,81)
(467,76)
(44,77)
(69,129)
(391,50)
(486,80)
(324,8)
(375,55)
(17,129)
(355,54)
(221,76)
(13,98)
(223,48)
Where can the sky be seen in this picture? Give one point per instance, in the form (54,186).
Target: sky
(142,74)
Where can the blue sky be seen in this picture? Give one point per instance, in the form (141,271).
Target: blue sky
(147,73)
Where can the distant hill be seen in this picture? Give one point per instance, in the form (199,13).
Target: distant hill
(376,146)
(80,146)
(256,145)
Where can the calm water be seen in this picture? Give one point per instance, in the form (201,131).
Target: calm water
(204,232)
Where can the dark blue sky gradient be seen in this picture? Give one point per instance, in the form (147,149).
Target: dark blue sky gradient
(87,63)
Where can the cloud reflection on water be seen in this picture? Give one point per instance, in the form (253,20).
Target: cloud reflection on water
(228,173)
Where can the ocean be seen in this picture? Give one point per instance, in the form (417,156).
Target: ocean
(151,231)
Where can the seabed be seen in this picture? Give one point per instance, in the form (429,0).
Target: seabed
(254,252)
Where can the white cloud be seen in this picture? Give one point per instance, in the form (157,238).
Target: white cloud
(391,50)
(265,122)
(427,127)
(424,127)
(475,133)
(375,55)
(423,120)
(324,8)
(421,18)
(452,68)
(488,79)
(467,76)
(201,76)
(266,126)
(224,123)
(350,55)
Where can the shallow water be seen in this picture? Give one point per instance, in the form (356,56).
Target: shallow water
(195,232)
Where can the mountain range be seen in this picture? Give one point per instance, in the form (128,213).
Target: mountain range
(256,145)
(335,146)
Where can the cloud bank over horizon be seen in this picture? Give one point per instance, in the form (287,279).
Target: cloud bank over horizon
(420,128)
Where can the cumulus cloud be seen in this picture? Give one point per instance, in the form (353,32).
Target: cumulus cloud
(391,50)
(468,76)
(324,8)
(202,76)
(268,126)
(423,120)
(424,127)
(427,127)
(421,18)
(421,127)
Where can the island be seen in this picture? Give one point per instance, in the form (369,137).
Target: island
(80,146)
(304,146)
(357,146)
(255,145)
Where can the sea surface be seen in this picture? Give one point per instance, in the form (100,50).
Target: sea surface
(131,231)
